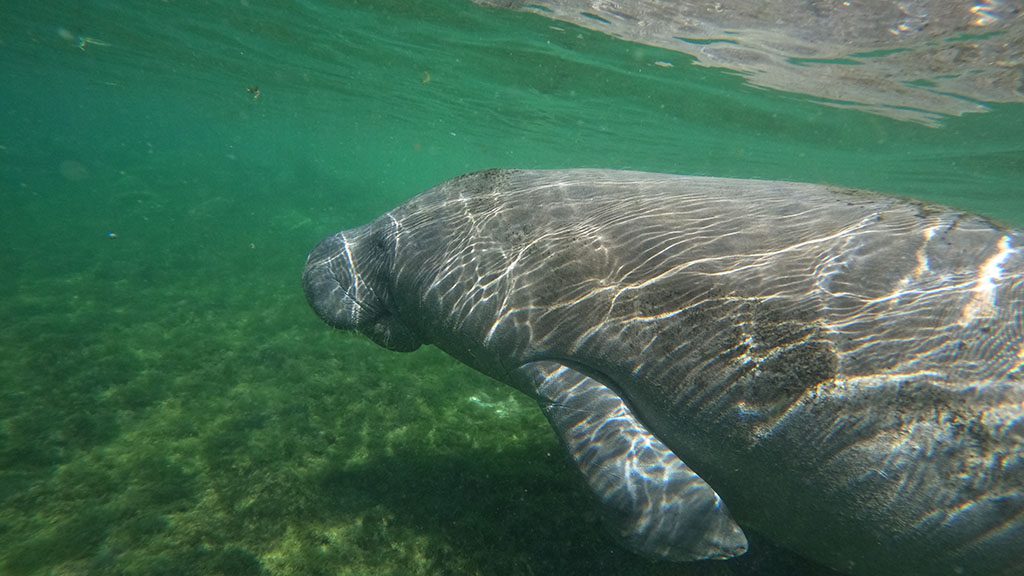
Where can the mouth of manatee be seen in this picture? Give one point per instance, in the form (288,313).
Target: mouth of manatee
(344,300)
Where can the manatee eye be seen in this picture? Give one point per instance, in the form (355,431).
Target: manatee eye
(382,231)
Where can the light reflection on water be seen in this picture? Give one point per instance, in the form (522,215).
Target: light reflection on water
(916,60)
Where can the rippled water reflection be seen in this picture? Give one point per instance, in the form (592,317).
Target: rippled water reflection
(915,60)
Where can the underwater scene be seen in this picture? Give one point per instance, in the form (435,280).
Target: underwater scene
(169,402)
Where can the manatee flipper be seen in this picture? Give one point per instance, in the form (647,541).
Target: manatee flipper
(649,498)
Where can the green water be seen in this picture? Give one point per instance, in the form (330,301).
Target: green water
(168,402)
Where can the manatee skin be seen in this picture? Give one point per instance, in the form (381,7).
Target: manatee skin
(843,368)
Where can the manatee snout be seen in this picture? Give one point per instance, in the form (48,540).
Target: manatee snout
(345,285)
(330,284)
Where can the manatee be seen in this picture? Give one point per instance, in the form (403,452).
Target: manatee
(837,370)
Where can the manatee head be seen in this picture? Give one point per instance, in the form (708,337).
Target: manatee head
(346,284)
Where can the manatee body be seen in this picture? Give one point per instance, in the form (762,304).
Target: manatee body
(838,370)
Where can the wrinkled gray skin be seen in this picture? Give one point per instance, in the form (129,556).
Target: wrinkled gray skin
(842,369)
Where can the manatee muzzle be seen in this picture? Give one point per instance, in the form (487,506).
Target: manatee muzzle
(345,291)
